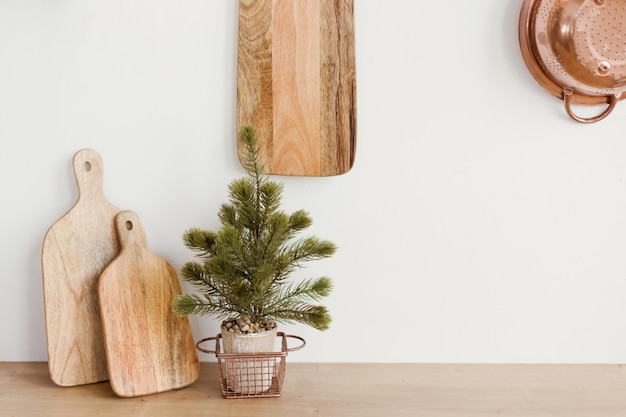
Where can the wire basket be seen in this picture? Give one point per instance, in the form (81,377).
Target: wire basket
(251,375)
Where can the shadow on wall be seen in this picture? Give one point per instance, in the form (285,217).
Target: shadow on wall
(35,319)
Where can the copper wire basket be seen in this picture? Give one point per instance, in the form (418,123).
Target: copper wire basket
(251,375)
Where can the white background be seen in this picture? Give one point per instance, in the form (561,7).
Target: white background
(479,223)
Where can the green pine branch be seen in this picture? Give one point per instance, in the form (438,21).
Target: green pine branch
(243,268)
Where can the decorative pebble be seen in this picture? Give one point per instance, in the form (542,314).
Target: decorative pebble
(244,325)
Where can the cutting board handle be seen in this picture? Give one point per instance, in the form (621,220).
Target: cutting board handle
(88,171)
(130,231)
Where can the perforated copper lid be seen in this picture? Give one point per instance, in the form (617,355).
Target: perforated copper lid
(576,49)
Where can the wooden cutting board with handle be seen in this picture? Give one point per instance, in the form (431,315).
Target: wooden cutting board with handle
(148,348)
(296,83)
(75,251)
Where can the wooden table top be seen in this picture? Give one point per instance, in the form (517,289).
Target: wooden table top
(342,390)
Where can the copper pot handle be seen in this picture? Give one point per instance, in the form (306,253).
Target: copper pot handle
(567,95)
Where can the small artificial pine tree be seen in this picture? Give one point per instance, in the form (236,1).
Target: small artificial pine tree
(243,268)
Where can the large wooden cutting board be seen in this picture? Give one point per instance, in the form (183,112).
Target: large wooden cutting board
(148,348)
(76,249)
(297,83)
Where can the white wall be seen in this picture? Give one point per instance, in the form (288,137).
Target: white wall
(479,223)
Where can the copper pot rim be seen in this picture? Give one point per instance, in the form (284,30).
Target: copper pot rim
(542,74)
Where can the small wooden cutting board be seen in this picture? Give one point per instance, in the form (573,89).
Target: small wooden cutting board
(75,251)
(296,83)
(148,348)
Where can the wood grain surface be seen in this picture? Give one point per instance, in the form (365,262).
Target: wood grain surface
(345,390)
(75,251)
(148,348)
(297,83)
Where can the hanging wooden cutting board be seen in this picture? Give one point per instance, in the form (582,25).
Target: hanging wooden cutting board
(148,348)
(76,249)
(297,83)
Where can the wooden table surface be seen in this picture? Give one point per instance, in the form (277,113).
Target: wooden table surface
(343,390)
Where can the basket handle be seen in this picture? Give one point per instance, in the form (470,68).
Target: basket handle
(300,346)
(567,95)
(212,352)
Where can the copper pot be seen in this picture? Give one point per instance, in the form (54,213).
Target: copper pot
(576,50)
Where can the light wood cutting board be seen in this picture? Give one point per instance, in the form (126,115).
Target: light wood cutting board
(148,348)
(75,251)
(297,83)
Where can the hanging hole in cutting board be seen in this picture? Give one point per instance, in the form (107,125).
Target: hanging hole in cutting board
(87,166)
(129,225)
